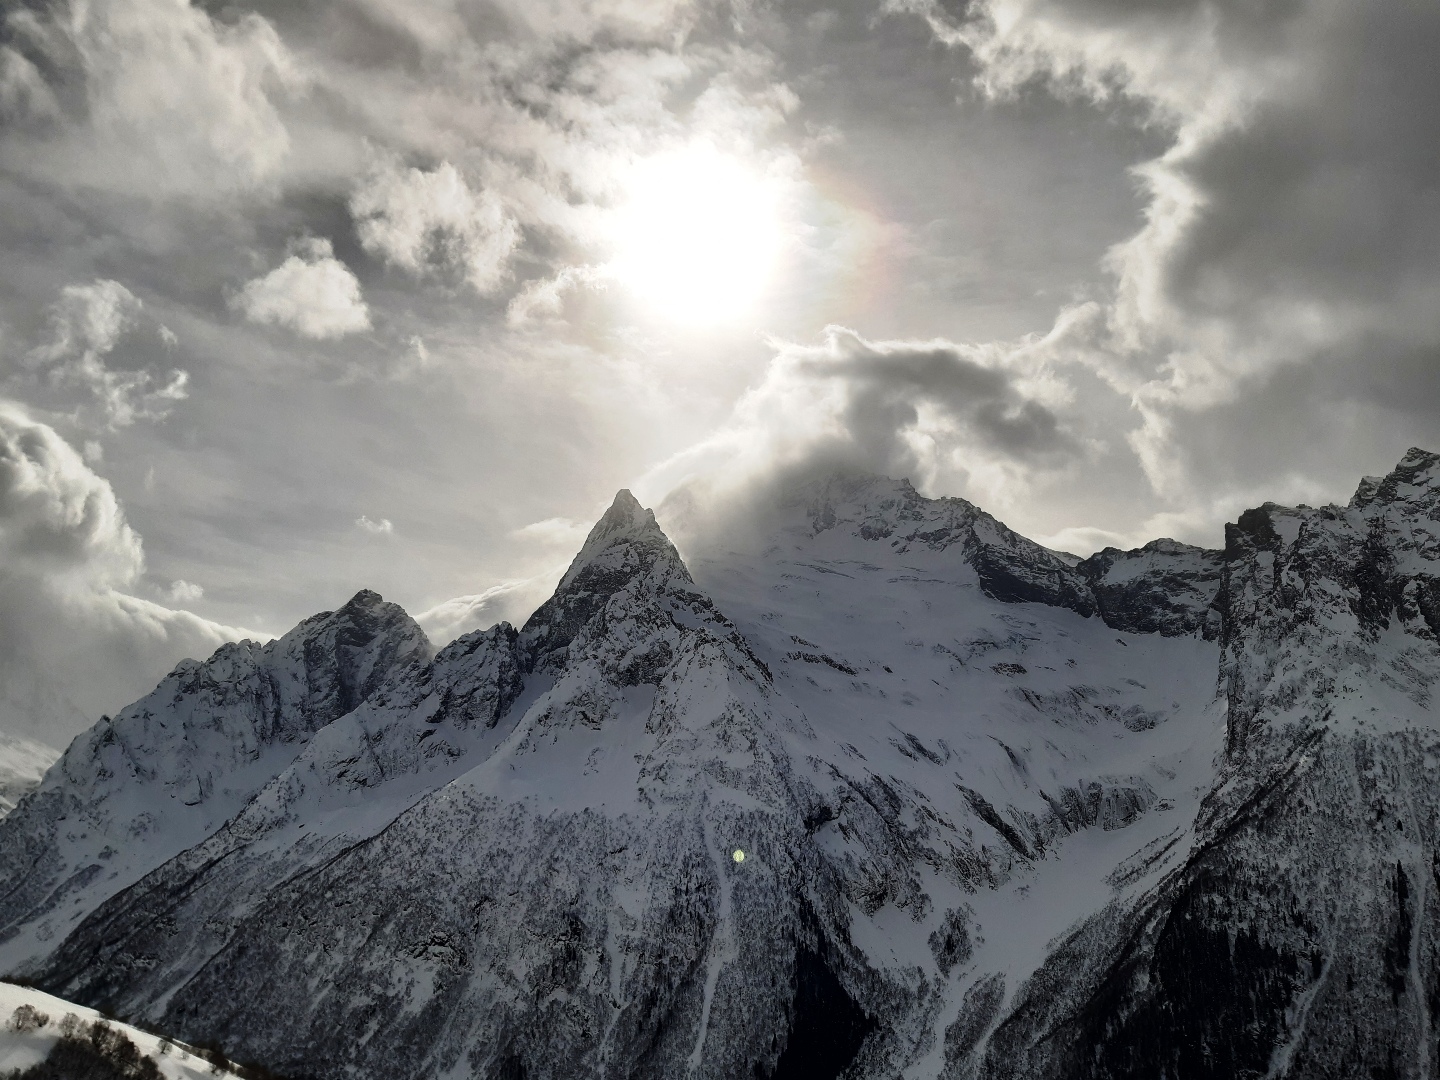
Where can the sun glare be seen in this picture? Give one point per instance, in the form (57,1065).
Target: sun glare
(698,237)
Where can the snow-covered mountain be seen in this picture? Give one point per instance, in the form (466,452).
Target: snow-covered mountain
(1300,937)
(881,789)
(169,770)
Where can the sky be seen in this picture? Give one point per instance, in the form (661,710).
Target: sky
(301,297)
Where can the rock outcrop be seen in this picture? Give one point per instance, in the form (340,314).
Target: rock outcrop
(1164,587)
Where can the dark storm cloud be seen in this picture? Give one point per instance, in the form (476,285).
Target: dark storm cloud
(1293,232)
(882,389)
(948,417)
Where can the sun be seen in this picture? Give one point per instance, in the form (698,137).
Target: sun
(698,235)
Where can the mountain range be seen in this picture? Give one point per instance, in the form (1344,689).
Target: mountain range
(880,789)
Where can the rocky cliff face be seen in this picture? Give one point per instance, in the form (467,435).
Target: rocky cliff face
(1298,938)
(1164,587)
(994,820)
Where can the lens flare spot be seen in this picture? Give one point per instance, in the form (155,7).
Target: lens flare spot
(739,856)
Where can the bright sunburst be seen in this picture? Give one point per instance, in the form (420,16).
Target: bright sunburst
(699,235)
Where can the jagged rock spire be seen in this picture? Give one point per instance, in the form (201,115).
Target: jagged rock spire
(625,545)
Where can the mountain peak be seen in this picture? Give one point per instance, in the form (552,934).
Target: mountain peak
(363,600)
(626,517)
(625,545)
(1415,478)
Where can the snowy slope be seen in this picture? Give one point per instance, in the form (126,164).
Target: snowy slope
(20,1049)
(1025,752)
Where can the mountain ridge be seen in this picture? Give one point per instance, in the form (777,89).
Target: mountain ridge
(939,746)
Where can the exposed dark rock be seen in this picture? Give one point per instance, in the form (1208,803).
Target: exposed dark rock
(1164,587)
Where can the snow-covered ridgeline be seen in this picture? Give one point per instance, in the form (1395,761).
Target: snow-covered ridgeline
(942,750)
(166,772)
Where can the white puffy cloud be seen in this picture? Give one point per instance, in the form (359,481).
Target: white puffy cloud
(73,640)
(58,519)
(433,220)
(183,592)
(86,324)
(311,292)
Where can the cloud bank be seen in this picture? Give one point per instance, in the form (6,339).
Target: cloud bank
(1286,282)
(949,417)
(74,641)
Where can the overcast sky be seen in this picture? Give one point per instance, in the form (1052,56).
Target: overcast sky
(300,296)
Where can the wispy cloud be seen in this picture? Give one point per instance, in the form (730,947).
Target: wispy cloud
(86,324)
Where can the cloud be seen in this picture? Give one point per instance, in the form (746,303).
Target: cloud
(511,601)
(428,221)
(86,324)
(58,519)
(556,531)
(546,296)
(1286,274)
(149,96)
(183,592)
(311,292)
(947,416)
(383,527)
(73,640)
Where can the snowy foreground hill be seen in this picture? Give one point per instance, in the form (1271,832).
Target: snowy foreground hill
(885,790)
(33,1023)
